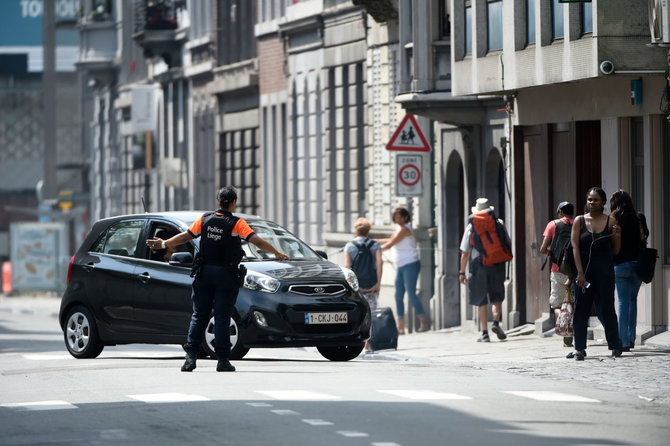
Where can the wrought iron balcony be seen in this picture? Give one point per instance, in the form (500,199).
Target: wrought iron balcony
(158,30)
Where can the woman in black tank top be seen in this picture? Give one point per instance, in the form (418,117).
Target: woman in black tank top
(595,238)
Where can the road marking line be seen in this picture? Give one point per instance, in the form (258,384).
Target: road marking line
(259,404)
(317,422)
(297,395)
(352,434)
(425,395)
(285,412)
(167,398)
(114,434)
(45,356)
(41,405)
(386,444)
(546,395)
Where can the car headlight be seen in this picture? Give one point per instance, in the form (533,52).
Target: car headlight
(351,278)
(260,282)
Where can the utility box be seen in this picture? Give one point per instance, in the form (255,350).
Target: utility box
(40,254)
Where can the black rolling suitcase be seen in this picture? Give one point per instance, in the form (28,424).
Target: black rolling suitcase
(384,333)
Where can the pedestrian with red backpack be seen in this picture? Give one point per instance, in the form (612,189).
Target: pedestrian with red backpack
(487,245)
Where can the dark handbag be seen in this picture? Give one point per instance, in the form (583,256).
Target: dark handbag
(564,320)
(566,261)
(646,263)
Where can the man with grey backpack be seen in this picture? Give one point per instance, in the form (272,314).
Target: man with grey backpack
(364,256)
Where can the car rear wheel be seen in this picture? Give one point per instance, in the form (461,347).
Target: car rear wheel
(341,353)
(81,334)
(237,351)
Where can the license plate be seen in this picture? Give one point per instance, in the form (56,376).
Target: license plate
(326,318)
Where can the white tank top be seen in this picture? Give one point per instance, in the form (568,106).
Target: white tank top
(405,251)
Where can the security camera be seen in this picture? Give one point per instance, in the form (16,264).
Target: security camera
(606,67)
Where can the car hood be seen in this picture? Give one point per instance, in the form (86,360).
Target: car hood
(289,270)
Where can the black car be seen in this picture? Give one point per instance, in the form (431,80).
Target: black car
(120,291)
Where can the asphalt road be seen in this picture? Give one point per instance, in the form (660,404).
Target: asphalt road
(137,395)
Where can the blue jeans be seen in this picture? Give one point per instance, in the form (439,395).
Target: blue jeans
(405,280)
(627,287)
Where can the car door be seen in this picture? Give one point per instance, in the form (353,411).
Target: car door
(110,274)
(162,299)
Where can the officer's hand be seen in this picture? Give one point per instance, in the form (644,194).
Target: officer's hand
(282,256)
(154,243)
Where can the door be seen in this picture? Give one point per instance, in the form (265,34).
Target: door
(162,301)
(110,274)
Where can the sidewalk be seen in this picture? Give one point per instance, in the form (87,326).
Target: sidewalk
(644,372)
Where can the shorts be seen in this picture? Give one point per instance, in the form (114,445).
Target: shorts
(372,298)
(558,289)
(486,280)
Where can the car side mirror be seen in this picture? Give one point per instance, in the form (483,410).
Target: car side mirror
(322,254)
(181,259)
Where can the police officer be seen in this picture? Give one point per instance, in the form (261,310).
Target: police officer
(217,280)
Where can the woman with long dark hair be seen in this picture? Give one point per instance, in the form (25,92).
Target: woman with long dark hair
(634,233)
(596,239)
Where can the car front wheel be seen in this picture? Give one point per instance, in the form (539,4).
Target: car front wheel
(237,351)
(81,334)
(341,353)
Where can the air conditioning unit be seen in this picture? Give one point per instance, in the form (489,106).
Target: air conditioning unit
(659,21)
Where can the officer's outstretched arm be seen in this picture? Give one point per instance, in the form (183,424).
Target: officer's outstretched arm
(265,246)
(179,239)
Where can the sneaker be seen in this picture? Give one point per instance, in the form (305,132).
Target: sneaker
(189,364)
(224,366)
(497,329)
(567,341)
(484,338)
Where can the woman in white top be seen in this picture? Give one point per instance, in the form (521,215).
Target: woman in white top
(407,263)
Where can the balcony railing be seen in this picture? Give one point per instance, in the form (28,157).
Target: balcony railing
(157,28)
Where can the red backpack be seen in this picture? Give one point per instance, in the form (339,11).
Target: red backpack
(490,238)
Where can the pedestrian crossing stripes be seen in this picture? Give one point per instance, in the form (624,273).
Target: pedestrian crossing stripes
(40,405)
(544,395)
(425,395)
(306,395)
(298,395)
(168,398)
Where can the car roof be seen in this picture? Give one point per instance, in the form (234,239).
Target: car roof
(185,217)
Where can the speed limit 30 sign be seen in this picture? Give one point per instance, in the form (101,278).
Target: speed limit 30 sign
(408,175)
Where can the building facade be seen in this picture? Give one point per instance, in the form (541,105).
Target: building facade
(582,83)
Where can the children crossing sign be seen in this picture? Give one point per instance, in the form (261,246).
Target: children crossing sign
(408,137)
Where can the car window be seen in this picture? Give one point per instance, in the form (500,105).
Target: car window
(121,239)
(281,239)
(165,231)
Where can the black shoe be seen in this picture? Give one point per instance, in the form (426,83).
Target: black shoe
(484,338)
(189,364)
(224,366)
(574,354)
(616,353)
(625,349)
(579,356)
(497,329)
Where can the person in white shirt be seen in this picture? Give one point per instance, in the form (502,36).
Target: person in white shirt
(406,254)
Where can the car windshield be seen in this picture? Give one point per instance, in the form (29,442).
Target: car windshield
(278,237)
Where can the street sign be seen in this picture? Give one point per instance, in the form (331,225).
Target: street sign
(408,175)
(408,137)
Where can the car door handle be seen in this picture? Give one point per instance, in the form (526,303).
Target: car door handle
(144,277)
(90,266)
